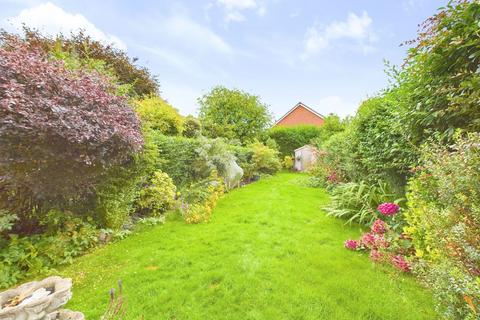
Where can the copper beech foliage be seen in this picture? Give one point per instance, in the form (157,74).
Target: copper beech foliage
(59,129)
(125,68)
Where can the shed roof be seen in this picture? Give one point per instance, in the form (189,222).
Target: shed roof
(307,146)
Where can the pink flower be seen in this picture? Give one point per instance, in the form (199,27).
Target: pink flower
(368,240)
(388,208)
(332,177)
(379,227)
(351,244)
(376,255)
(380,242)
(400,263)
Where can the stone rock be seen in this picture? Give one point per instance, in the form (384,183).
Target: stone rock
(35,300)
(65,314)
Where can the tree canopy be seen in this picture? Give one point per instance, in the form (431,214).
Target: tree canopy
(233,114)
(86,49)
(158,115)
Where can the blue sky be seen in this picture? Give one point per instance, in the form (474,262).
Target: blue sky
(327,54)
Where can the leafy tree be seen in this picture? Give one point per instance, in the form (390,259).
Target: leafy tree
(158,115)
(440,75)
(233,114)
(87,49)
(60,129)
(191,127)
(332,124)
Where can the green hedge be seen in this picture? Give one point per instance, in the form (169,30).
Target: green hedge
(291,138)
(179,158)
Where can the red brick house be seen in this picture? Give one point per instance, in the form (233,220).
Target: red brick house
(300,114)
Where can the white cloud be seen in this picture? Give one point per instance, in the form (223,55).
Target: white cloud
(337,105)
(234,8)
(52,20)
(412,5)
(357,28)
(194,35)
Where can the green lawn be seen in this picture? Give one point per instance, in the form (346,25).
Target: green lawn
(268,253)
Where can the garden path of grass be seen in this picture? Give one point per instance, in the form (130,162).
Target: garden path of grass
(269,252)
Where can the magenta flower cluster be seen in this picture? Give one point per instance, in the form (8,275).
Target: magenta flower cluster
(379,227)
(368,239)
(351,244)
(400,263)
(377,241)
(374,241)
(388,208)
(376,255)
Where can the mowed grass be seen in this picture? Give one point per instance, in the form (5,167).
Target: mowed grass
(269,252)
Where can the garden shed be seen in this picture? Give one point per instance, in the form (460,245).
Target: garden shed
(305,157)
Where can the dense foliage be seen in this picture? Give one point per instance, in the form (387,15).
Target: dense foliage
(188,160)
(290,138)
(233,114)
(180,159)
(199,199)
(332,124)
(265,160)
(158,195)
(158,115)
(357,202)
(444,223)
(86,49)
(191,127)
(37,254)
(441,74)
(60,129)
(405,138)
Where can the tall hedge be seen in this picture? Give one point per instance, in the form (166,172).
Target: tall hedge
(179,158)
(290,138)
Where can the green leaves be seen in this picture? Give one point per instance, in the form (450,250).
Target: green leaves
(233,114)
(357,202)
(291,138)
(157,114)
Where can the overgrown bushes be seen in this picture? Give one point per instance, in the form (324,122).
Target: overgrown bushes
(179,158)
(60,130)
(158,115)
(422,134)
(264,159)
(187,160)
(199,199)
(157,196)
(80,166)
(444,223)
(290,138)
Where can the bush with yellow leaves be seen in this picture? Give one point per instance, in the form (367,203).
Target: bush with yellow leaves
(199,200)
